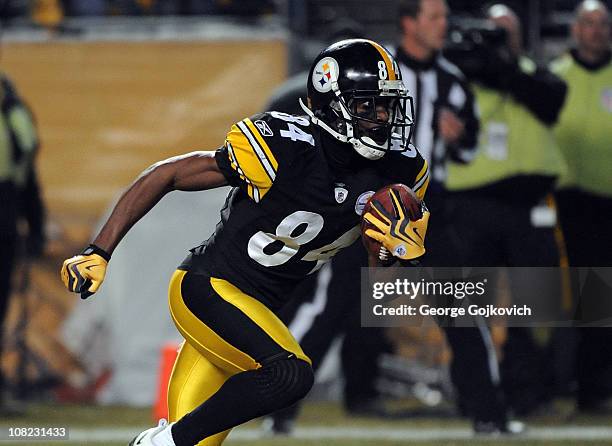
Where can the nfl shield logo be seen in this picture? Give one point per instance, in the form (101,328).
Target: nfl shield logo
(340,192)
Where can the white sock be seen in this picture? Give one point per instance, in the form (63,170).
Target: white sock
(164,438)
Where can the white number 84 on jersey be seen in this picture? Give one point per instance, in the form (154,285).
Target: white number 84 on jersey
(293,231)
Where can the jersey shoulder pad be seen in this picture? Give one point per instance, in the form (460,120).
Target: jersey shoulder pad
(259,146)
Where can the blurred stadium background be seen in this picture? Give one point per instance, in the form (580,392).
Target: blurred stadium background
(117,85)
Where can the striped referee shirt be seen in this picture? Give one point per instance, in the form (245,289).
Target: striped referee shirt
(435,84)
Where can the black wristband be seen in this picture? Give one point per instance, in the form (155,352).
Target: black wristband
(93,249)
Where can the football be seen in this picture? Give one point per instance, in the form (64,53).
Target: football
(412,205)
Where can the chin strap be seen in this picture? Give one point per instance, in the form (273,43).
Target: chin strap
(323,125)
(364,150)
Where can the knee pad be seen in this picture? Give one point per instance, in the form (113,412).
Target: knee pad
(282,382)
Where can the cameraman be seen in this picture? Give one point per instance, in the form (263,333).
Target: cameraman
(504,215)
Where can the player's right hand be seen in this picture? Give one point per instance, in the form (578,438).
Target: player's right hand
(85,273)
(404,239)
(402,234)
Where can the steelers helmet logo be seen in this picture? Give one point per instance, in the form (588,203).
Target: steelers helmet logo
(325,72)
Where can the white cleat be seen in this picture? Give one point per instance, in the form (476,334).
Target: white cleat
(145,438)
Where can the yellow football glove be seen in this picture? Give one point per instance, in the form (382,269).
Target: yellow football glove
(402,237)
(85,273)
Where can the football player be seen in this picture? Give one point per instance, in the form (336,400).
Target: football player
(299,187)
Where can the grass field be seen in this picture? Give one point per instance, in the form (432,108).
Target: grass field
(322,424)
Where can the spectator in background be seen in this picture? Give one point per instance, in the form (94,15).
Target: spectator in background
(500,214)
(19,198)
(584,133)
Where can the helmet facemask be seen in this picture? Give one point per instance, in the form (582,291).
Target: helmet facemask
(372,121)
(379,121)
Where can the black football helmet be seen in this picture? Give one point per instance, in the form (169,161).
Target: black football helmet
(356,94)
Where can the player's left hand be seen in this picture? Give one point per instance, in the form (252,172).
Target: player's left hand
(402,237)
(85,273)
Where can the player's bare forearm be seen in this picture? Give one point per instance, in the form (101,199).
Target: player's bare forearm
(190,172)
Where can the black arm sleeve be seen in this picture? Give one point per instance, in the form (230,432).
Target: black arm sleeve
(542,93)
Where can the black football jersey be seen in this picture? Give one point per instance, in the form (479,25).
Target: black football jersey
(289,212)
